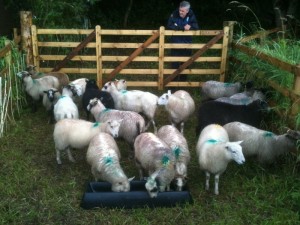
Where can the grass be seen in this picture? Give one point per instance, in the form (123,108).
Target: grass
(35,190)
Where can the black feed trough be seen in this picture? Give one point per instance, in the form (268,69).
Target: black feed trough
(99,195)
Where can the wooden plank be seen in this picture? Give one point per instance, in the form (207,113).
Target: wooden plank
(75,51)
(194,32)
(195,56)
(258,35)
(269,59)
(161,54)
(64,44)
(224,54)
(99,56)
(133,55)
(65,31)
(35,50)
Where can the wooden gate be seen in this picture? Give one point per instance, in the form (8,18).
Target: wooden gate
(142,57)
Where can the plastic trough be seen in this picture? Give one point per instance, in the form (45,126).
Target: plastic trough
(99,195)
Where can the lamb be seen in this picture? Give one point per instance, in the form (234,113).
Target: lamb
(156,157)
(221,113)
(92,91)
(76,133)
(131,126)
(179,105)
(265,145)
(78,89)
(214,152)
(103,156)
(35,87)
(65,106)
(137,101)
(176,141)
(63,78)
(50,98)
(215,89)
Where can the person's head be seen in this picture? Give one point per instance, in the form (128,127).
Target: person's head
(184,8)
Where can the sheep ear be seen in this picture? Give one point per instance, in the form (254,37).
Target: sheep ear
(131,179)
(239,142)
(169,92)
(45,92)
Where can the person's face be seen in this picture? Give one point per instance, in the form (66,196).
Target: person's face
(183,11)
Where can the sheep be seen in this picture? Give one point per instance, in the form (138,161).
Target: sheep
(65,106)
(132,124)
(137,101)
(92,91)
(177,142)
(103,156)
(216,89)
(265,145)
(77,133)
(243,98)
(156,157)
(35,87)
(179,105)
(222,113)
(50,98)
(78,89)
(214,152)
(63,78)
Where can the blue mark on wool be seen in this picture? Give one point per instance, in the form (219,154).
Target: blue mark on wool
(268,134)
(40,74)
(62,96)
(123,91)
(165,160)
(228,84)
(177,152)
(96,124)
(105,110)
(212,141)
(108,160)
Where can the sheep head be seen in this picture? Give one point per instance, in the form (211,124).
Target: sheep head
(235,151)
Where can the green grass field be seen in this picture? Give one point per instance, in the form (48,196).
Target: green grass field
(35,190)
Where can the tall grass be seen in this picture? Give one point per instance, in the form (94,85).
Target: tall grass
(11,94)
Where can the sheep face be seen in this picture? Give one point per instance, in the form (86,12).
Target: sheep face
(109,86)
(23,75)
(163,100)
(91,84)
(122,186)
(51,94)
(76,90)
(234,149)
(113,127)
(121,84)
(151,187)
(93,102)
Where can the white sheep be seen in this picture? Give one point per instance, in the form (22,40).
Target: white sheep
(177,142)
(103,156)
(65,106)
(243,98)
(155,157)
(76,133)
(265,145)
(215,89)
(214,152)
(35,87)
(137,101)
(179,105)
(131,126)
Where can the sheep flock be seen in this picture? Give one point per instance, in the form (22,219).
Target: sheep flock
(228,128)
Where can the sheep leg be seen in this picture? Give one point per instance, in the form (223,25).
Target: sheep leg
(70,155)
(154,127)
(58,157)
(181,127)
(217,177)
(207,176)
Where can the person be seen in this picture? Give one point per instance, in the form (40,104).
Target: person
(182,19)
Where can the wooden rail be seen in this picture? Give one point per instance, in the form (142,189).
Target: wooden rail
(130,54)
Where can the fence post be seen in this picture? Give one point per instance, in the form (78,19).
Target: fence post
(224,57)
(36,58)
(99,56)
(26,22)
(296,105)
(161,58)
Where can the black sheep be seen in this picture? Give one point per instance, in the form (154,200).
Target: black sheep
(213,112)
(92,91)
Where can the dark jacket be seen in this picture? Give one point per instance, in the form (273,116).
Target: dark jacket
(175,22)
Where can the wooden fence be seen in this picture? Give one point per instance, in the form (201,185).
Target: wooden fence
(294,93)
(145,63)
